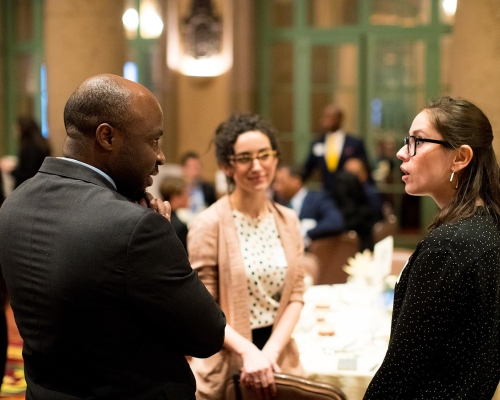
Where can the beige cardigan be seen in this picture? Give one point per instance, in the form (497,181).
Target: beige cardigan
(214,251)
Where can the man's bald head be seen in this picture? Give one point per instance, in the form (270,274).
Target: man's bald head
(115,125)
(99,99)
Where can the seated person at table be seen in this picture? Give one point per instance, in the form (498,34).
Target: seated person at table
(355,207)
(2,197)
(318,213)
(361,169)
(174,190)
(201,193)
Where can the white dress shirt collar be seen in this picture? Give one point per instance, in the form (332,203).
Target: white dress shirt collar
(92,168)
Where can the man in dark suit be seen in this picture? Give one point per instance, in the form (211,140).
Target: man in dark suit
(2,197)
(317,211)
(332,148)
(201,193)
(102,290)
(174,190)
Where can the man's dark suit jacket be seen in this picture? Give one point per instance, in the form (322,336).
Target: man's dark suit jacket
(355,207)
(102,291)
(208,193)
(322,208)
(180,228)
(2,197)
(353,148)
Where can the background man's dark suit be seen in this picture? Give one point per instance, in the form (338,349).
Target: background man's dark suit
(353,147)
(208,193)
(320,207)
(180,227)
(2,197)
(102,291)
(355,207)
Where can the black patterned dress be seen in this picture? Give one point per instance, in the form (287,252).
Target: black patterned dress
(445,332)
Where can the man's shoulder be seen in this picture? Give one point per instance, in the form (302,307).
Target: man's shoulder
(207,185)
(318,195)
(316,198)
(350,137)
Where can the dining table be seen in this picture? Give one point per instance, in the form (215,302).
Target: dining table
(343,334)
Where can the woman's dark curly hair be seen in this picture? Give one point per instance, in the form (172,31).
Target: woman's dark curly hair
(227,133)
(462,123)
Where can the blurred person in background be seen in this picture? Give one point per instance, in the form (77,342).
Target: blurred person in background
(445,330)
(2,196)
(358,214)
(361,169)
(201,193)
(332,148)
(248,251)
(174,190)
(32,150)
(318,214)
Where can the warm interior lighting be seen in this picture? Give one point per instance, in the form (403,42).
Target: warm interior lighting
(449,7)
(130,21)
(151,23)
(214,65)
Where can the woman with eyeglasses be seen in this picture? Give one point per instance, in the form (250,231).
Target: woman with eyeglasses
(445,335)
(247,250)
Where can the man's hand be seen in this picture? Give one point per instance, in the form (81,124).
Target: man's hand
(161,207)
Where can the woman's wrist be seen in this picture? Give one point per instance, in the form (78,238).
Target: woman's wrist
(271,351)
(245,348)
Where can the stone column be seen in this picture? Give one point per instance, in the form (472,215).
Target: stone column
(82,38)
(475,58)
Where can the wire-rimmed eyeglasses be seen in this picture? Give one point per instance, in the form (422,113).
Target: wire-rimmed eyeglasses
(412,142)
(246,159)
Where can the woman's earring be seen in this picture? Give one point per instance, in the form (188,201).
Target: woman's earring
(454,186)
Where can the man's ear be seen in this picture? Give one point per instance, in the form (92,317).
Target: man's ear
(463,157)
(105,134)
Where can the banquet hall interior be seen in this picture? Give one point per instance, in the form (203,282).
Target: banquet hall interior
(379,60)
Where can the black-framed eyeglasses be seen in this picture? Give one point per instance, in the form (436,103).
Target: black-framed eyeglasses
(412,142)
(246,159)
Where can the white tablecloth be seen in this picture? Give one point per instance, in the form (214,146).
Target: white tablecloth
(360,319)
(360,324)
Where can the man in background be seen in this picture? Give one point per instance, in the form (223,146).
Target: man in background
(174,190)
(101,288)
(318,213)
(2,197)
(361,169)
(332,148)
(201,193)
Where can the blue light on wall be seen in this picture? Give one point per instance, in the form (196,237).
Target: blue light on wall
(130,71)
